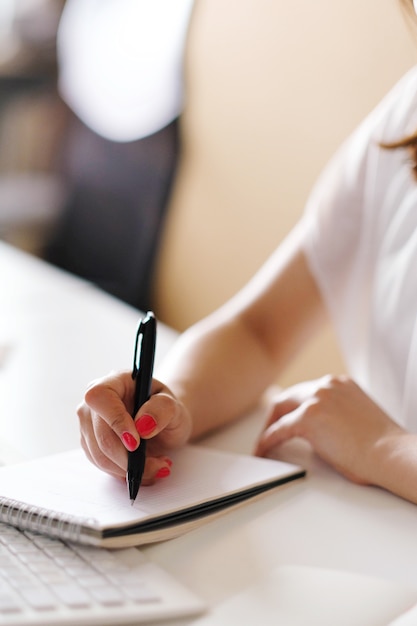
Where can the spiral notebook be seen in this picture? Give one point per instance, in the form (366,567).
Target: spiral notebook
(65,496)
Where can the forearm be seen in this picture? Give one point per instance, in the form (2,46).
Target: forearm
(218,370)
(221,366)
(395,465)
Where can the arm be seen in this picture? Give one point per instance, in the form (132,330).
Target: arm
(216,371)
(221,366)
(396,464)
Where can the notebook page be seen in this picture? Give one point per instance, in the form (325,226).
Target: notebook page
(69,483)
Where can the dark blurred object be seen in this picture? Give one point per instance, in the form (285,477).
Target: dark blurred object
(114,214)
(92,206)
(28,39)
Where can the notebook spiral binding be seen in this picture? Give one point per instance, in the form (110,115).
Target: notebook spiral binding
(50,523)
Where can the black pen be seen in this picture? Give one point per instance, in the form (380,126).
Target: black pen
(143,360)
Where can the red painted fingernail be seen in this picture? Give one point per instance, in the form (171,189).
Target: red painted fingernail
(163,472)
(145,425)
(168,461)
(129,440)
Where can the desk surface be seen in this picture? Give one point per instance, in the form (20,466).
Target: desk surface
(57,333)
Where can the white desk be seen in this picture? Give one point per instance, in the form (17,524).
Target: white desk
(57,333)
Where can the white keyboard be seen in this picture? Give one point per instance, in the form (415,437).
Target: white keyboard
(45,581)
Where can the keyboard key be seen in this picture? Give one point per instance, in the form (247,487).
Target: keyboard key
(139,592)
(71,594)
(38,598)
(107,596)
(8,602)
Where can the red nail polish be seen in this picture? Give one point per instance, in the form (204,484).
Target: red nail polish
(129,440)
(163,472)
(145,425)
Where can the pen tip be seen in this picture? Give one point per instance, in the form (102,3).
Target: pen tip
(132,502)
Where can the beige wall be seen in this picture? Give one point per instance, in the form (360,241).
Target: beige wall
(273,87)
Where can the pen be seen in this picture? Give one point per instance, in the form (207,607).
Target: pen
(143,360)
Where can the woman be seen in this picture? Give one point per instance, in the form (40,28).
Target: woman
(352,257)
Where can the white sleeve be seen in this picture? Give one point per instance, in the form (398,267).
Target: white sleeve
(345,219)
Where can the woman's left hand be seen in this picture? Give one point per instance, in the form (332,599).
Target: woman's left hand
(345,427)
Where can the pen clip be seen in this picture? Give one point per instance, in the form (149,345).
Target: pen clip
(143,325)
(137,353)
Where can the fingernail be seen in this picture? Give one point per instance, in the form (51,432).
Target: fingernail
(129,440)
(168,461)
(163,472)
(145,425)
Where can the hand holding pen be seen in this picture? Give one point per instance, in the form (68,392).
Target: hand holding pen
(143,362)
(112,416)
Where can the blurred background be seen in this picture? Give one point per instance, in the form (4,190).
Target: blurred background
(31,121)
(162,149)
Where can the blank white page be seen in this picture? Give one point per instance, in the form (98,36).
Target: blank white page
(70,484)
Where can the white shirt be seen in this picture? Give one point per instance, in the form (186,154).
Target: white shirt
(361,247)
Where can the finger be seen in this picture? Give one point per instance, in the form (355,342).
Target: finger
(163,415)
(110,398)
(112,458)
(107,449)
(102,462)
(278,432)
(282,406)
(156,468)
(291,398)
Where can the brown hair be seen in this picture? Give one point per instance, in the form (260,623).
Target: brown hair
(410,141)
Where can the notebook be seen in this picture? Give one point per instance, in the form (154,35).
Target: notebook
(65,496)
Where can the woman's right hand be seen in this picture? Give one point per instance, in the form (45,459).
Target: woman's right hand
(108,431)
